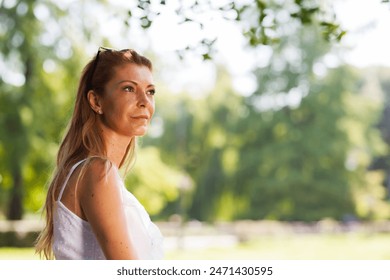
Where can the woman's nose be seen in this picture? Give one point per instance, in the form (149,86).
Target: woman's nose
(142,99)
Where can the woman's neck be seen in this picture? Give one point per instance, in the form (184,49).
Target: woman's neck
(116,145)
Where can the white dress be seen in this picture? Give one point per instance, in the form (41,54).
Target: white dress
(73,238)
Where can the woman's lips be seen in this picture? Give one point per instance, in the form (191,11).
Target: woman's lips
(141,117)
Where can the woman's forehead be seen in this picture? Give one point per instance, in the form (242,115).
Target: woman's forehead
(134,72)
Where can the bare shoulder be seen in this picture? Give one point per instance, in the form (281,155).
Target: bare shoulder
(98,178)
(98,170)
(98,167)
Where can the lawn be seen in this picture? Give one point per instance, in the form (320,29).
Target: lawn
(299,247)
(353,246)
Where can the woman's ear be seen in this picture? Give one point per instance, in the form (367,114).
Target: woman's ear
(94,102)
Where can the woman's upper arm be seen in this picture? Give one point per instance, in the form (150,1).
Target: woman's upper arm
(101,202)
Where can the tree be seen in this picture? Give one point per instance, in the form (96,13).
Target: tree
(22,96)
(42,53)
(261,20)
(365,107)
(38,64)
(199,137)
(35,87)
(282,153)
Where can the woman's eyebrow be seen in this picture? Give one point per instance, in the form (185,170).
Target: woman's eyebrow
(133,82)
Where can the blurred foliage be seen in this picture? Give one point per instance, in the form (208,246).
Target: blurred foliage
(301,161)
(298,148)
(28,99)
(262,21)
(152,181)
(42,54)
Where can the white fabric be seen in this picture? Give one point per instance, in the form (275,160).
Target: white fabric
(74,239)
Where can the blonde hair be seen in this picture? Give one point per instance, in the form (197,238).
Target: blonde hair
(83,139)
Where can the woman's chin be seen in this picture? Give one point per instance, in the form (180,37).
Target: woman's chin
(140,132)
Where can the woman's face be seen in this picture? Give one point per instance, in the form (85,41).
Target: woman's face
(128,100)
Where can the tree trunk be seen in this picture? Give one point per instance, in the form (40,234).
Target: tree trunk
(15,208)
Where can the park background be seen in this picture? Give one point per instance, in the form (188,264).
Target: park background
(271,133)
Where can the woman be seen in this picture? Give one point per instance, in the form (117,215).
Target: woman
(89,212)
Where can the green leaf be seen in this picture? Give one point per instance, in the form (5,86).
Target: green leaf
(206,56)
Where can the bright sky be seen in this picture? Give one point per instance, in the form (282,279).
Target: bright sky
(367,22)
(368,25)
(367,43)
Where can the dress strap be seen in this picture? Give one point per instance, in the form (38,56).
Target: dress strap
(67,178)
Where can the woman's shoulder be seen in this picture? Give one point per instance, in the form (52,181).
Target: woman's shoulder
(98,164)
(99,180)
(97,171)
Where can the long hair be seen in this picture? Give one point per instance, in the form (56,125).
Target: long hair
(83,138)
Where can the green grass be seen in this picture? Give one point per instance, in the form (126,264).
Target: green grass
(300,247)
(17,254)
(283,247)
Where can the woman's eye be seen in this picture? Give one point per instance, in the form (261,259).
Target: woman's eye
(152,91)
(129,88)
